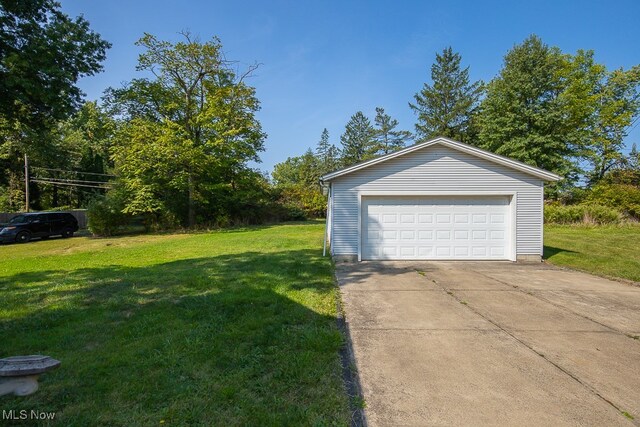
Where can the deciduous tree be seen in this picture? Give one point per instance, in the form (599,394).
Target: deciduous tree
(607,102)
(524,115)
(43,53)
(197,114)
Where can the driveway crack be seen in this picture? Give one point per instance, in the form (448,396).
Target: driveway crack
(541,298)
(451,293)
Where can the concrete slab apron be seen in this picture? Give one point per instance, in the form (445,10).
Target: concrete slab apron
(428,352)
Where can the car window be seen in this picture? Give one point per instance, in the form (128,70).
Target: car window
(18,219)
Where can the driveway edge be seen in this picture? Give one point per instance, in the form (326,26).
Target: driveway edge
(348,362)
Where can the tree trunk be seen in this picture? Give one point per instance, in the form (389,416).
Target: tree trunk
(192,212)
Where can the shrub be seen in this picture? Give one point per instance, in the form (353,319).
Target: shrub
(624,197)
(105,216)
(308,200)
(580,214)
(597,214)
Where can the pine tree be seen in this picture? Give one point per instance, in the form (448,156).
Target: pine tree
(389,139)
(447,107)
(333,158)
(327,154)
(358,140)
(322,149)
(323,153)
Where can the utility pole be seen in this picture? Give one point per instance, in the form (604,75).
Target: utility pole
(26,183)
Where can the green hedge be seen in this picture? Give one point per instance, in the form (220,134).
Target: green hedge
(581,214)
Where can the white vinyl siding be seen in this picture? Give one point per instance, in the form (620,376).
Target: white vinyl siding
(442,170)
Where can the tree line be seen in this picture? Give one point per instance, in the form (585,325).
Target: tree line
(561,112)
(173,146)
(169,148)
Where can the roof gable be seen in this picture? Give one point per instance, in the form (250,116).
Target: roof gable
(465,148)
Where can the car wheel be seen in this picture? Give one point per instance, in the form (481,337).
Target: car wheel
(67,232)
(23,237)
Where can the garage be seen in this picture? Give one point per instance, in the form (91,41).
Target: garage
(444,228)
(436,200)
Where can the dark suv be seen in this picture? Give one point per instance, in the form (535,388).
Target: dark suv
(22,228)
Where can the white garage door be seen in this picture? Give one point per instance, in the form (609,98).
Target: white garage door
(436,228)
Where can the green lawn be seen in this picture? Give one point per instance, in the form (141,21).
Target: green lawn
(612,251)
(224,328)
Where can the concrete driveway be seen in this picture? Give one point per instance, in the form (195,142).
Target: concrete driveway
(492,343)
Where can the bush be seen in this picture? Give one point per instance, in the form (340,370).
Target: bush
(105,216)
(623,197)
(581,214)
(597,214)
(308,200)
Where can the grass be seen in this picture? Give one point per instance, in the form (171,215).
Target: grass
(611,251)
(235,328)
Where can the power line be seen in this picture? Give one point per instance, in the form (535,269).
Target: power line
(76,172)
(636,125)
(80,181)
(44,181)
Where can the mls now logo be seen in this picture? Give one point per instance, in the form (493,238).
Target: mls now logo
(23,414)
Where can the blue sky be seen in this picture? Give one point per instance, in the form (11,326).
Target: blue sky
(324,60)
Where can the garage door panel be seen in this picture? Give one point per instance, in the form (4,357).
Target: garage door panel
(497,251)
(497,234)
(479,234)
(425,218)
(461,234)
(407,234)
(425,251)
(408,251)
(425,235)
(479,218)
(442,218)
(461,218)
(443,235)
(389,218)
(479,251)
(497,218)
(436,228)
(443,251)
(407,218)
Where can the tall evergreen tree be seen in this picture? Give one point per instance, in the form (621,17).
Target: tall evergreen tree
(333,159)
(358,140)
(389,139)
(327,154)
(447,107)
(524,115)
(322,149)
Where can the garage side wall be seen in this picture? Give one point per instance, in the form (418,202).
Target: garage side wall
(438,169)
